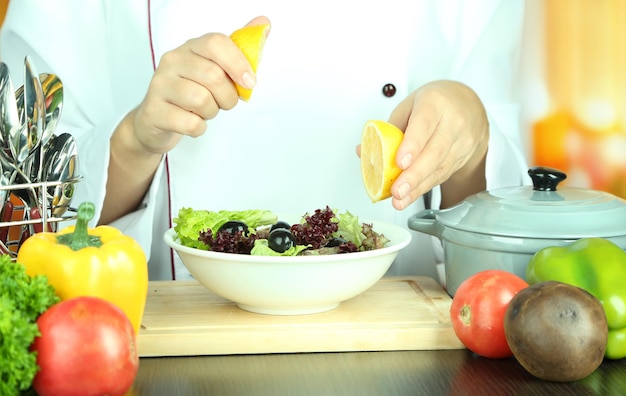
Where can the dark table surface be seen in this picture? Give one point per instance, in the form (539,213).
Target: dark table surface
(456,372)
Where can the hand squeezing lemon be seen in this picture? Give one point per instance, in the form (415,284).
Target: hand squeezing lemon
(250,40)
(379,144)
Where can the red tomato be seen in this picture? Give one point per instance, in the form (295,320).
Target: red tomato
(86,347)
(478,308)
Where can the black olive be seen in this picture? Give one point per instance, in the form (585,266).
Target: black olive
(280,240)
(233,226)
(280,224)
(336,241)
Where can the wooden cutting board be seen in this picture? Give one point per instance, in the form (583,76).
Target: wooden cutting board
(183,318)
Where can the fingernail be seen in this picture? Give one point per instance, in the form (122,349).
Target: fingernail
(406,161)
(405,202)
(248,80)
(403,190)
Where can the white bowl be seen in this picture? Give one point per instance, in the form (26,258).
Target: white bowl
(291,285)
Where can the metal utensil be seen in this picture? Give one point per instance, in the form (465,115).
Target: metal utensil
(9,115)
(64,193)
(10,125)
(33,120)
(33,165)
(53,99)
(28,119)
(4,182)
(12,175)
(60,164)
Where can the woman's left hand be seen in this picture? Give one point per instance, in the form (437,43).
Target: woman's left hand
(446,134)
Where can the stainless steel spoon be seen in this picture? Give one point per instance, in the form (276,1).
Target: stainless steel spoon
(60,164)
(53,98)
(10,126)
(4,192)
(24,140)
(9,114)
(63,194)
(52,87)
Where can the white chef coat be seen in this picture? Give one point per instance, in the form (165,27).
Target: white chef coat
(291,149)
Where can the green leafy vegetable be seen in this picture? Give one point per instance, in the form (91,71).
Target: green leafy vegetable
(190,223)
(350,228)
(373,240)
(261,248)
(199,229)
(22,300)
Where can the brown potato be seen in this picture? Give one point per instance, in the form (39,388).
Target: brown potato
(556,331)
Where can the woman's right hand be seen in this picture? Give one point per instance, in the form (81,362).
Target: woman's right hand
(190,85)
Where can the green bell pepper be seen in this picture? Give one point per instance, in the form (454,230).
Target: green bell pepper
(596,265)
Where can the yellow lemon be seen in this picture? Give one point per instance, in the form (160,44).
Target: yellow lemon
(250,40)
(379,144)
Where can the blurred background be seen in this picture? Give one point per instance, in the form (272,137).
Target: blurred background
(574,95)
(574,90)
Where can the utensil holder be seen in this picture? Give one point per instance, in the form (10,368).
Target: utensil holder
(18,221)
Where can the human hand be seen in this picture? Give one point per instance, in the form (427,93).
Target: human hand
(445,143)
(190,85)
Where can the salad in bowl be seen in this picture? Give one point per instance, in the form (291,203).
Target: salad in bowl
(263,233)
(285,265)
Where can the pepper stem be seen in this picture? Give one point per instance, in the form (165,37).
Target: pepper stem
(81,238)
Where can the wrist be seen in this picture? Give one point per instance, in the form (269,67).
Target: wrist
(125,142)
(468,180)
(130,172)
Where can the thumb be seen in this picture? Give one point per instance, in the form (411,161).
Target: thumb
(246,78)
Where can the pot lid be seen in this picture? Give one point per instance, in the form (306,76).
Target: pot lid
(542,210)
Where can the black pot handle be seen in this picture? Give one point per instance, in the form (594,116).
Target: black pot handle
(545,179)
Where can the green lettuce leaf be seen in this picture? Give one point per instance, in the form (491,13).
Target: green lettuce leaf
(350,228)
(190,222)
(261,248)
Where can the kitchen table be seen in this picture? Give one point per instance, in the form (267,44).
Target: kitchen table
(449,372)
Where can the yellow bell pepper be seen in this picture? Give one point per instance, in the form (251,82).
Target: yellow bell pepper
(83,261)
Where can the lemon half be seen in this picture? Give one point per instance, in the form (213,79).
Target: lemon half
(379,144)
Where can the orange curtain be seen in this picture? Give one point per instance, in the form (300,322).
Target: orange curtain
(584,132)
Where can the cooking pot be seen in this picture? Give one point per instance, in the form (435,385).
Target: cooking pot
(503,228)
